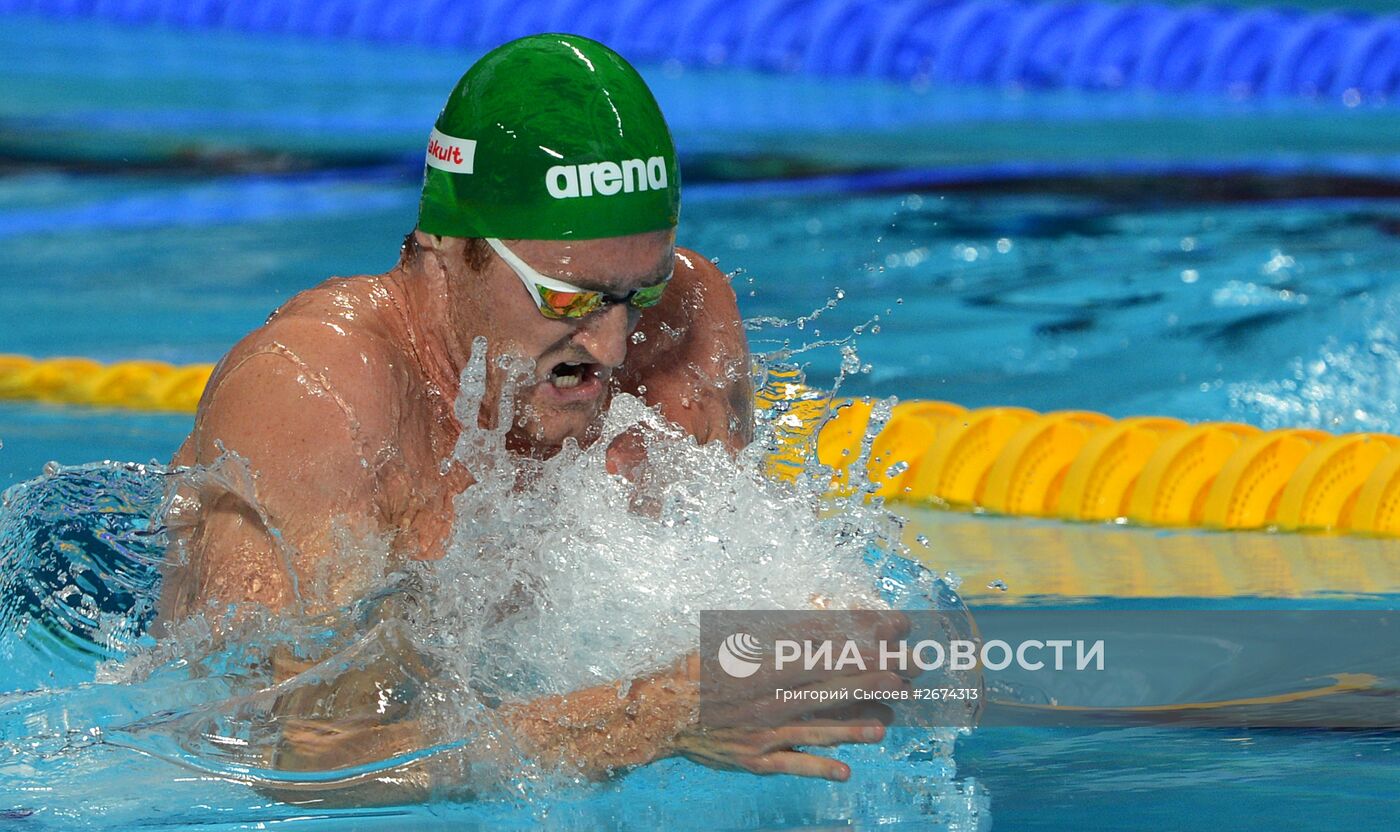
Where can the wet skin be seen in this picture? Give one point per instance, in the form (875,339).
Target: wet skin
(342,402)
(342,405)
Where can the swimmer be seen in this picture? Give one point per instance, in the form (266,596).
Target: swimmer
(547,225)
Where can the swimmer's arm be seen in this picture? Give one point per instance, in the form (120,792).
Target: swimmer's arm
(693,356)
(592,733)
(595,733)
(264,536)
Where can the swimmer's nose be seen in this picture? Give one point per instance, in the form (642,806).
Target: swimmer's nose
(606,333)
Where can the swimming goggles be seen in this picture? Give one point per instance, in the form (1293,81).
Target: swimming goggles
(557,299)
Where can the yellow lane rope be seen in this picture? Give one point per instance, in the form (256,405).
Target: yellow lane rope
(134,385)
(1080,465)
(1072,465)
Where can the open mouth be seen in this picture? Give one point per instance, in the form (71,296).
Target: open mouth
(566,375)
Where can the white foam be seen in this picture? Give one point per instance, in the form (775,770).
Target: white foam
(561,575)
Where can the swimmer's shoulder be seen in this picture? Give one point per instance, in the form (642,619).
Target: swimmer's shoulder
(696,272)
(697,321)
(333,336)
(705,296)
(353,307)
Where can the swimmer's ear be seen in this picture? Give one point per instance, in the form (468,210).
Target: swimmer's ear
(455,247)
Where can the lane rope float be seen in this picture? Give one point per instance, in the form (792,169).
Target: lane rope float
(1085,466)
(130,385)
(1207,51)
(1071,465)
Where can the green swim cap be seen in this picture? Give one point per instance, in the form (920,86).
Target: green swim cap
(550,137)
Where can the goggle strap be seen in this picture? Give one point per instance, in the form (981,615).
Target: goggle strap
(524,269)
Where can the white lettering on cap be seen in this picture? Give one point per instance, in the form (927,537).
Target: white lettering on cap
(562,181)
(605,178)
(450,153)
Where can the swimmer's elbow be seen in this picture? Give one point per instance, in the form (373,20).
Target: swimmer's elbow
(309,753)
(397,789)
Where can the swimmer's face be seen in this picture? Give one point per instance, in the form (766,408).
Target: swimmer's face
(575,359)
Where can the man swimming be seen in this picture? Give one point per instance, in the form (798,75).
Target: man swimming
(546,226)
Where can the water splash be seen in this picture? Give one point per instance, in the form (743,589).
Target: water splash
(80,550)
(558,576)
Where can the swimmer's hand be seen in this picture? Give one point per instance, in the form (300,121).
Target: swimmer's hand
(755,731)
(759,749)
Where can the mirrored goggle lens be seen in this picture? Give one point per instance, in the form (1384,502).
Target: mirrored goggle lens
(648,297)
(557,304)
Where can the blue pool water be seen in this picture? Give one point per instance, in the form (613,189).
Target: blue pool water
(1119,303)
(1125,255)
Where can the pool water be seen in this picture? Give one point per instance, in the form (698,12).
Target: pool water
(1047,297)
(1106,259)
